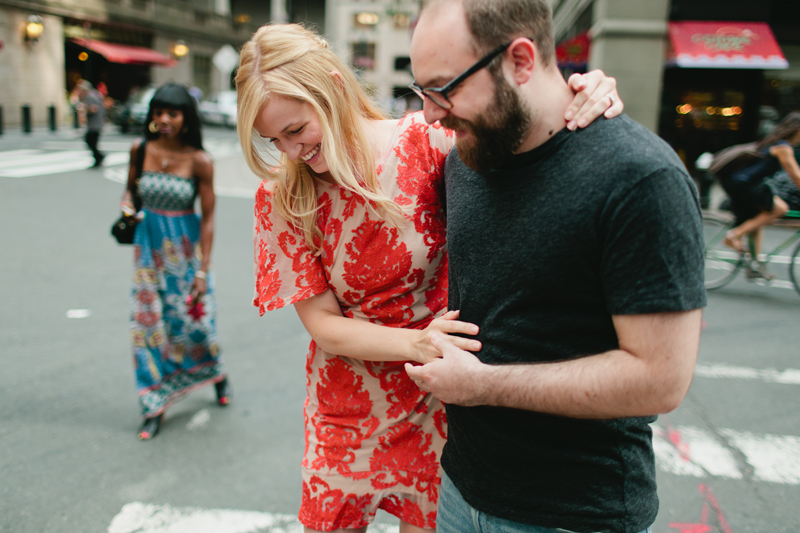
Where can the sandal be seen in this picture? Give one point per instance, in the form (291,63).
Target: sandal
(732,241)
(150,427)
(758,270)
(224,392)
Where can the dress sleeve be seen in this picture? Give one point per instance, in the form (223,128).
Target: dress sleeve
(285,269)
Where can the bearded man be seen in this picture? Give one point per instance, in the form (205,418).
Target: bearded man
(579,255)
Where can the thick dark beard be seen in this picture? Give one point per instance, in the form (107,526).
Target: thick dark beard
(498,132)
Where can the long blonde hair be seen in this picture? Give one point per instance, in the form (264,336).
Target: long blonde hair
(291,61)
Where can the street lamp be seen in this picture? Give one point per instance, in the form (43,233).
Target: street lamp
(33,28)
(180,49)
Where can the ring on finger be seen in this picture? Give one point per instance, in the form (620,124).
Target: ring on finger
(612,98)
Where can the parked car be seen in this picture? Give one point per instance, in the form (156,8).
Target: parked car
(133,113)
(219,109)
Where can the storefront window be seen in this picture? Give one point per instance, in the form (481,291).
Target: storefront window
(706,110)
(781,96)
(364,56)
(201,67)
(710,110)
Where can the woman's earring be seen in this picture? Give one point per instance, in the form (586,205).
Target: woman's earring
(153,127)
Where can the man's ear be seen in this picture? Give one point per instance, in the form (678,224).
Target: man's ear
(523,54)
(337,77)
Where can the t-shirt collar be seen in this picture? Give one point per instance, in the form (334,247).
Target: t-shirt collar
(535,155)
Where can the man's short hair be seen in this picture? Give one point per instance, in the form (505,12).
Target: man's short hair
(496,22)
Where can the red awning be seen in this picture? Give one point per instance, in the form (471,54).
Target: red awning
(574,53)
(127,55)
(725,45)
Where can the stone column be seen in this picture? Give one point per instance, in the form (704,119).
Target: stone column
(277,11)
(629,39)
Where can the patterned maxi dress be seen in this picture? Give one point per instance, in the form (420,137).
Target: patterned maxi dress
(372,438)
(175,348)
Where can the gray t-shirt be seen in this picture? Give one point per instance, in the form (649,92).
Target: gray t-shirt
(543,251)
(94,121)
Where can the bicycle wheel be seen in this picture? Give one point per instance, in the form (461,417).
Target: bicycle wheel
(721,263)
(794,268)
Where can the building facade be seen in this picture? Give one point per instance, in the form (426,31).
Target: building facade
(374,37)
(123,44)
(703,74)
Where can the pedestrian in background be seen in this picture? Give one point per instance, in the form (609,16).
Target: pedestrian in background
(350,230)
(173,309)
(93,107)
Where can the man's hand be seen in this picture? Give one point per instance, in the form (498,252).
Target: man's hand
(596,94)
(457,378)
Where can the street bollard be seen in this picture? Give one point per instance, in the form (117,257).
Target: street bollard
(1,120)
(26,119)
(52,117)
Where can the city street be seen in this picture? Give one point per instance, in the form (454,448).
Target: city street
(728,457)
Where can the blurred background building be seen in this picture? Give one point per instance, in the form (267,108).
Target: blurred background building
(47,46)
(703,74)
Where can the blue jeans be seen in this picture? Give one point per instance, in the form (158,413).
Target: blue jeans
(457,516)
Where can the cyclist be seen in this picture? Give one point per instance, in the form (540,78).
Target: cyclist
(753,202)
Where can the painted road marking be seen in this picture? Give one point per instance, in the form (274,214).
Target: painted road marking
(200,420)
(775,458)
(29,163)
(683,451)
(44,163)
(691,451)
(146,518)
(11,155)
(789,376)
(104,146)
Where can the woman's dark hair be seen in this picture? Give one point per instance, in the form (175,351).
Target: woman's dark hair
(783,131)
(174,96)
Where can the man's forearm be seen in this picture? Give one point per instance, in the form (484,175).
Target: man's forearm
(614,384)
(649,373)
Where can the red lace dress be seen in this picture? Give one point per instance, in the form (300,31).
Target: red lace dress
(372,438)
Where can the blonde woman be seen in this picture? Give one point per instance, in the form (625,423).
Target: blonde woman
(350,230)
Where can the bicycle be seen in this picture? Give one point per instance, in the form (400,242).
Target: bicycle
(722,264)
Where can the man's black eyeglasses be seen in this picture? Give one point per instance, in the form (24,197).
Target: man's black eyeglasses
(438,95)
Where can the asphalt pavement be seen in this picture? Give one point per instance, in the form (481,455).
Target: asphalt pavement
(728,458)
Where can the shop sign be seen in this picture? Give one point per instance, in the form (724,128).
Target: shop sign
(702,44)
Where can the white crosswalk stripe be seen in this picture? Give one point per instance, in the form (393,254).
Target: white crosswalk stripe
(71,156)
(139,517)
(683,451)
(790,376)
(691,451)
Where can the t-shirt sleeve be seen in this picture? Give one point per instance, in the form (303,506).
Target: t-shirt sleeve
(653,257)
(285,269)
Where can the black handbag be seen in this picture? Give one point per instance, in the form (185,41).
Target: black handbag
(125,226)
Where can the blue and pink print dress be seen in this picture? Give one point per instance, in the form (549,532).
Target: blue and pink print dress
(175,346)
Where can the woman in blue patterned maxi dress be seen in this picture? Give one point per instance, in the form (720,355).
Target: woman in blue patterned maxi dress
(173,311)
